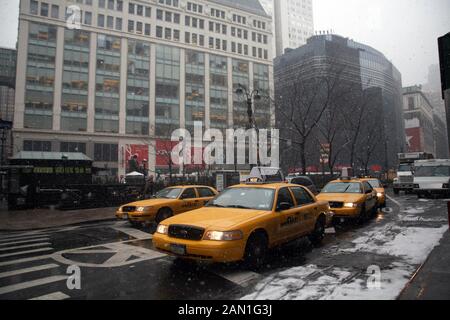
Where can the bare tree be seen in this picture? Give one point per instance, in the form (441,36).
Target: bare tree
(354,109)
(303,101)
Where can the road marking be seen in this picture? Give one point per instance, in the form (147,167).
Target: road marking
(138,234)
(31,245)
(19,261)
(31,284)
(241,278)
(23,241)
(52,296)
(24,252)
(121,254)
(23,237)
(28,270)
(394,201)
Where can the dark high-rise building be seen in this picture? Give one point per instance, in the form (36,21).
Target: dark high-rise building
(373,85)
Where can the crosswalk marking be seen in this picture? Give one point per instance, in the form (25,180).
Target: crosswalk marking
(19,261)
(30,245)
(25,252)
(23,237)
(241,278)
(23,241)
(134,233)
(53,296)
(28,270)
(31,284)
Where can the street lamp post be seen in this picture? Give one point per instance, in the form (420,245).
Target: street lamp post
(250,96)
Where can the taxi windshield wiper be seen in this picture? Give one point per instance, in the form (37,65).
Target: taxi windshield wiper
(215,205)
(238,207)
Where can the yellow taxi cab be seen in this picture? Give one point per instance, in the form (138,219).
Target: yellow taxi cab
(350,199)
(167,203)
(379,189)
(243,222)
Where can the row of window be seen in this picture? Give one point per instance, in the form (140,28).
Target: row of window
(141,28)
(41,71)
(111,4)
(139,10)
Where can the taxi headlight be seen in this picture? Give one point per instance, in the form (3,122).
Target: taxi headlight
(379,194)
(223,235)
(350,205)
(143,209)
(162,229)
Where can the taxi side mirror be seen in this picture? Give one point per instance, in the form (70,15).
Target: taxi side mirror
(369,191)
(283,206)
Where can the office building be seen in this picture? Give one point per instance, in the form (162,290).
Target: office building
(133,72)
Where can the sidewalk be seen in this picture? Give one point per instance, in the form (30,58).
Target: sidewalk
(47,218)
(432,282)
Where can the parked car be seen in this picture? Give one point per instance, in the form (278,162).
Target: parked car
(304,181)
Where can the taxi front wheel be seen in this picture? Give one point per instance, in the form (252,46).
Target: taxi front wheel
(163,214)
(255,251)
(318,234)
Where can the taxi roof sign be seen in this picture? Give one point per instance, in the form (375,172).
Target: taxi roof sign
(265,175)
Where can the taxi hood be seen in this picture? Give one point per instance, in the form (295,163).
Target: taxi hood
(217,219)
(150,202)
(340,197)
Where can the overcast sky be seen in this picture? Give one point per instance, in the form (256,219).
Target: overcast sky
(406,31)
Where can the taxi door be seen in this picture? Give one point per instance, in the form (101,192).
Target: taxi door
(188,200)
(371,198)
(309,210)
(204,196)
(288,216)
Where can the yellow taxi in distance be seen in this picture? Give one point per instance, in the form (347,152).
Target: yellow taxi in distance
(166,203)
(350,199)
(379,189)
(243,222)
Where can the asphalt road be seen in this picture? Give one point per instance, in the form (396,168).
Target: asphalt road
(116,261)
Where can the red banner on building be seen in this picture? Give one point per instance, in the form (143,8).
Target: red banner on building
(136,157)
(413,139)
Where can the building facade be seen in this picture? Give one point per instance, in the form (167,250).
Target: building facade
(426,129)
(293,22)
(365,81)
(419,121)
(133,72)
(7,94)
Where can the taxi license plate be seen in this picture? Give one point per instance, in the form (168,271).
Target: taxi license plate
(178,249)
(125,216)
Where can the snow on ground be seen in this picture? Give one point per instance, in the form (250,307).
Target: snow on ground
(414,210)
(314,283)
(409,246)
(412,244)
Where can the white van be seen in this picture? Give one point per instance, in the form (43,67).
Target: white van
(432,177)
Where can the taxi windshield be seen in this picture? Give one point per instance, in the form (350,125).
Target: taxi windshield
(374,183)
(245,198)
(342,187)
(169,193)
